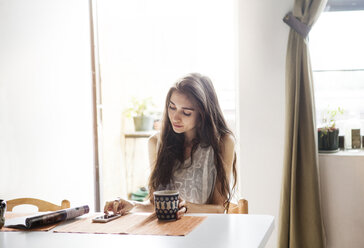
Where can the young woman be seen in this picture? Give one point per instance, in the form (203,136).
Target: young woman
(194,153)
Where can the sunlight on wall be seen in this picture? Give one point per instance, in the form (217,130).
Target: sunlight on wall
(45,101)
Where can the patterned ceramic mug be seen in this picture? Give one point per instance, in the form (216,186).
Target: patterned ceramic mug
(2,212)
(166,204)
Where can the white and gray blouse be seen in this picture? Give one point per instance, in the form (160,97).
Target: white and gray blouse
(196,182)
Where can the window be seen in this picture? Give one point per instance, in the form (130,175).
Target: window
(337,56)
(150,44)
(144,47)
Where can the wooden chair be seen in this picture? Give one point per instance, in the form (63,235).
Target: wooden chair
(240,208)
(43,206)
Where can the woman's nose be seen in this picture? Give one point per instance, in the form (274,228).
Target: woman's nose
(176,116)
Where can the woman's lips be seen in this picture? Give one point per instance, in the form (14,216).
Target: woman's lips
(177,126)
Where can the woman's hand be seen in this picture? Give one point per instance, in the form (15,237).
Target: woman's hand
(182,208)
(118,206)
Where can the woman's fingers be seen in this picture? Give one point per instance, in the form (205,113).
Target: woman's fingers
(181,212)
(119,206)
(108,207)
(182,209)
(182,203)
(116,207)
(112,206)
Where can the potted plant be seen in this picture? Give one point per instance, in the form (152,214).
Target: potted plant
(328,134)
(141,110)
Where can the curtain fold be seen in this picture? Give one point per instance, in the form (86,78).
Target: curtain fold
(300,222)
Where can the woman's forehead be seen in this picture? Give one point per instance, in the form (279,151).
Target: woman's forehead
(182,100)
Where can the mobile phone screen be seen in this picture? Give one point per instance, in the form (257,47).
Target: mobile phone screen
(105,218)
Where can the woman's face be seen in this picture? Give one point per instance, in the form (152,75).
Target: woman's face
(183,114)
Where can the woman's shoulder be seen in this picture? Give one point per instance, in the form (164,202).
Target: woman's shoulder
(154,139)
(228,141)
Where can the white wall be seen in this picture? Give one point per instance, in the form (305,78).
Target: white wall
(262,52)
(342,190)
(46,139)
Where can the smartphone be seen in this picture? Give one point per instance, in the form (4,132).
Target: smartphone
(106,218)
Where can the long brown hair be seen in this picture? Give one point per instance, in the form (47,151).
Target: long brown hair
(211,129)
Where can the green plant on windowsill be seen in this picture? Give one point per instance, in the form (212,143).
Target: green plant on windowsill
(142,111)
(328,133)
(329,120)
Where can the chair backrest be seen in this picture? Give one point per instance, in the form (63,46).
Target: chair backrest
(240,208)
(43,206)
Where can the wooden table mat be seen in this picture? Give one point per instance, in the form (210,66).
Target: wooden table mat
(10,215)
(135,224)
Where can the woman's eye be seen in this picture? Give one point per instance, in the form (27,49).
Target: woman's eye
(186,114)
(171,107)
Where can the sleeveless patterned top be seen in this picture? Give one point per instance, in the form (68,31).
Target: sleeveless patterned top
(195,182)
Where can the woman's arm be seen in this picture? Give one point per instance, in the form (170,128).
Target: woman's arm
(122,205)
(152,150)
(147,206)
(228,154)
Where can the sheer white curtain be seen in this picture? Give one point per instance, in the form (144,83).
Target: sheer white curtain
(144,47)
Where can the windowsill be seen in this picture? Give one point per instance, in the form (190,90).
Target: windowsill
(354,152)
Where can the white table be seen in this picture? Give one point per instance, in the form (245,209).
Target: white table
(217,230)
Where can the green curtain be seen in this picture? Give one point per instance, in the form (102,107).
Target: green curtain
(300,222)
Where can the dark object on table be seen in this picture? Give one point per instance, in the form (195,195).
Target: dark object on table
(2,212)
(166,204)
(42,219)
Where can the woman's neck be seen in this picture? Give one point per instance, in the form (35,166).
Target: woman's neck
(188,144)
(187,150)
(189,137)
